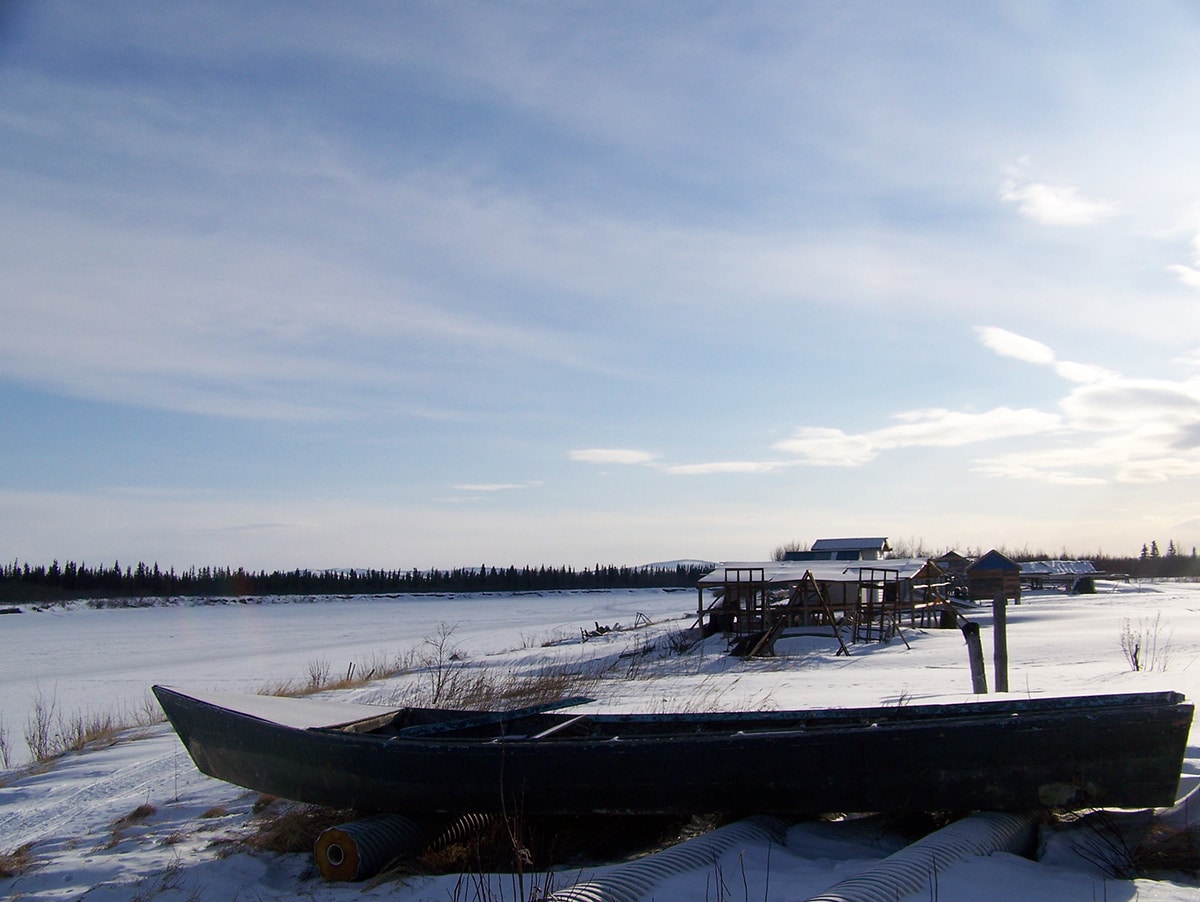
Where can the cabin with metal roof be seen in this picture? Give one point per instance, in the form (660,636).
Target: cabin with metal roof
(848,549)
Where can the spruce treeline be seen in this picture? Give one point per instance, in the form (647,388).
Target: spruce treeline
(1149,564)
(25,582)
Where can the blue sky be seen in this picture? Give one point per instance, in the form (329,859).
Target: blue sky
(430,284)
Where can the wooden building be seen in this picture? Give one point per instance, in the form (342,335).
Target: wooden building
(992,573)
(849,549)
(954,565)
(863,600)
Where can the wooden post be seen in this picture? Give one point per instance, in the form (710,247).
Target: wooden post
(970,632)
(1000,637)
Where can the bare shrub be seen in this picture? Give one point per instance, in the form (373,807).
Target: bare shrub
(318,674)
(442,662)
(81,730)
(5,754)
(39,727)
(50,734)
(1145,647)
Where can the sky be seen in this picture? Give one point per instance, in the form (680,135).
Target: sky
(441,284)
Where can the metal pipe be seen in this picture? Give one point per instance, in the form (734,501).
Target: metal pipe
(635,880)
(910,869)
(360,849)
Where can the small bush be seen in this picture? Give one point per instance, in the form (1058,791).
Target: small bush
(39,727)
(49,734)
(1145,647)
(318,674)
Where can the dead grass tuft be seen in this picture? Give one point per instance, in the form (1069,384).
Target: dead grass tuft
(262,803)
(321,678)
(136,816)
(17,862)
(1169,850)
(215,812)
(295,828)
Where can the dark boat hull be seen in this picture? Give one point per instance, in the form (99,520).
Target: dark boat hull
(1107,751)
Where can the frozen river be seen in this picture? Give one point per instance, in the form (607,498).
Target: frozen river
(93,660)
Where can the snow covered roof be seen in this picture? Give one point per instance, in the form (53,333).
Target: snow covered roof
(994,560)
(1078,568)
(852,544)
(784,572)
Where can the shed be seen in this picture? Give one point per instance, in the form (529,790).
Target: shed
(992,573)
(955,567)
(850,549)
(1074,576)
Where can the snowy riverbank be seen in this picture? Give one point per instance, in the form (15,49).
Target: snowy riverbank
(71,814)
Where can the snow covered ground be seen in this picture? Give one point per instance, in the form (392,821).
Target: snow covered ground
(137,821)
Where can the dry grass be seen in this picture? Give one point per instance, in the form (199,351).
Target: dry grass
(320,676)
(50,734)
(123,823)
(17,862)
(283,827)
(136,816)
(1169,850)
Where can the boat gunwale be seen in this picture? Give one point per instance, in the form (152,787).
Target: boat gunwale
(731,724)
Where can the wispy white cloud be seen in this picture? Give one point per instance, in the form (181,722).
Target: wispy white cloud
(1113,427)
(934,428)
(1107,428)
(1010,344)
(628,456)
(492,486)
(727,466)
(1190,275)
(1054,205)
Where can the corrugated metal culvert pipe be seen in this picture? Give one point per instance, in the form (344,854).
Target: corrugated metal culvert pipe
(633,881)
(910,869)
(360,849)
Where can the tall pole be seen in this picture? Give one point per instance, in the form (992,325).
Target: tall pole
(1000,635)
(970,631)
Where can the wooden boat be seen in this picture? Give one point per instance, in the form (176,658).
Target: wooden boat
(1010,755)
